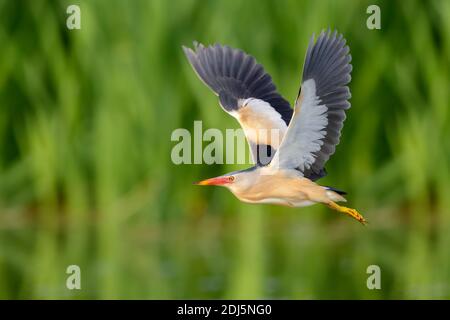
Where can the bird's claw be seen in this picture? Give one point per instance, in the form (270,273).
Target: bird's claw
(356,215)
(349,211)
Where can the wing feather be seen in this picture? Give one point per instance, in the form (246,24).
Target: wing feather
(234,75)
(319,112)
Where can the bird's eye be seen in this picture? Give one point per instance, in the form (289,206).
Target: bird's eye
(231,178)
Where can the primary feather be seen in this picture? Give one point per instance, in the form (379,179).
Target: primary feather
(245,91)
(319,112)
(233,74)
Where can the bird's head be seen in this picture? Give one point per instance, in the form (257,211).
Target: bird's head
(224,180)
(236,181)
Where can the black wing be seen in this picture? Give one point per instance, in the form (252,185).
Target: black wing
(328,63)
(232,74)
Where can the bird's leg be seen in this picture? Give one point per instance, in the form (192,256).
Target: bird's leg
(351,212)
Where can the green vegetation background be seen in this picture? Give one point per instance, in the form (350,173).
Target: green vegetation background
(86,177)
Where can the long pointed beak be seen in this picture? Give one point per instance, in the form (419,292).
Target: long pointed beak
(219,181)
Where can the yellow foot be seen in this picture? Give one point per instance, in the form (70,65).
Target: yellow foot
(351,212)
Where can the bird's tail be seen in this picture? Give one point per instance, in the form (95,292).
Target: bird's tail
(334,194)
(340,192)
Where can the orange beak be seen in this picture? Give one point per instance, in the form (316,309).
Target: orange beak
(219,181)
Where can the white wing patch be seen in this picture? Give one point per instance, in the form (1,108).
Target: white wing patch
(305,133)
(261,123)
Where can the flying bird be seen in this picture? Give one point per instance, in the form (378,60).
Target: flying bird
(287,164)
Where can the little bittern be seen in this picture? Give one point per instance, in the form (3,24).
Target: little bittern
(287,166)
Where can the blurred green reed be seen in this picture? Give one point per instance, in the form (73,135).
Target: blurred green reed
(86,177)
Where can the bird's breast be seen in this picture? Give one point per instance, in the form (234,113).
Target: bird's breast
(274,189)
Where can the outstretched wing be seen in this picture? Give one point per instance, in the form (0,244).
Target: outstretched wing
(319,111)
(235,76)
